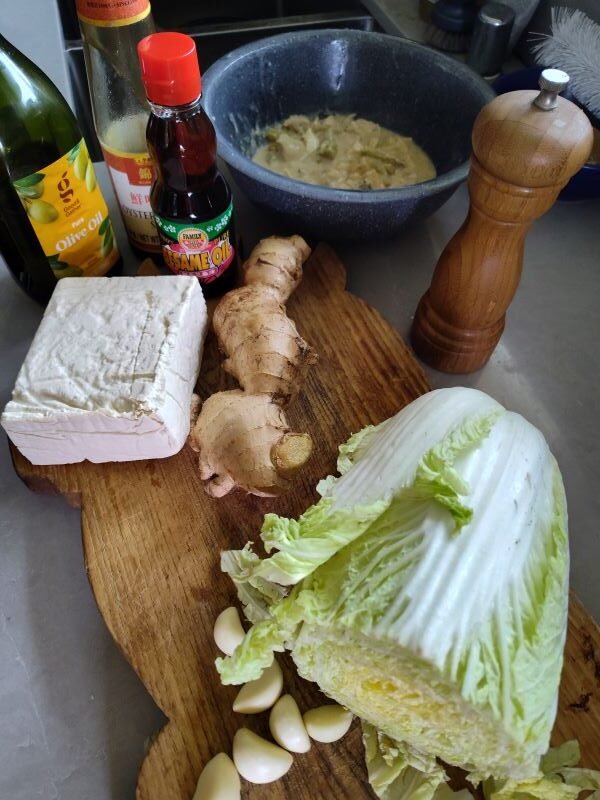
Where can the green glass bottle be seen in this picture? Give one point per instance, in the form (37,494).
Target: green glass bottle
(54,221)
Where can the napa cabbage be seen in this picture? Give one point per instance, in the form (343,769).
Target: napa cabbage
(426,591)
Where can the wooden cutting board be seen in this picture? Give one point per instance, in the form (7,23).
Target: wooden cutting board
(152,539)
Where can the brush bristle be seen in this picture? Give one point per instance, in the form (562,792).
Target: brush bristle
(447,41)
(574,46)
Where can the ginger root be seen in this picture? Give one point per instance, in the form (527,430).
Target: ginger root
(243,436)
(277,262)
(265,352)
(244,440)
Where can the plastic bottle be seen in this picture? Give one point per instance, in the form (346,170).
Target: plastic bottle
(111,30)
(54,221)
(190,198)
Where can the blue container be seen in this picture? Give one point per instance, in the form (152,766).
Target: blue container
(398,84)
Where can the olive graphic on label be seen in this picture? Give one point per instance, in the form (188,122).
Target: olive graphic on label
(30,188)
(42,212)
(108,240)
(32,192)
(80,164)
(90,177)
(107,245)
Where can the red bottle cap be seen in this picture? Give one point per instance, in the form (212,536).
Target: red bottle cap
(170,68)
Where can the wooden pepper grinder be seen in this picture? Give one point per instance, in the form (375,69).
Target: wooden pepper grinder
(526,146)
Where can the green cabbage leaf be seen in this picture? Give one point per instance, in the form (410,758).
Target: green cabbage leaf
(561,779)
(397,771)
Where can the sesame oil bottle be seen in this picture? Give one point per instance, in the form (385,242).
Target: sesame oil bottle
(190,198)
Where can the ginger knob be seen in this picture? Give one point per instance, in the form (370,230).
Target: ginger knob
(242,436)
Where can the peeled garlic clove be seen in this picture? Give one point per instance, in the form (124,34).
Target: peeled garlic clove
(327,723)
(219,780)
(287,726)
(258,760)
(228,631)
(258,695)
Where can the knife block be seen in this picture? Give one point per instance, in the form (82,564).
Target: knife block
(523,155)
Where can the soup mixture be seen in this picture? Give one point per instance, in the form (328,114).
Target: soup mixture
(343,152)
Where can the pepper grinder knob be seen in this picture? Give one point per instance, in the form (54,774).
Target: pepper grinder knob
(552,82)
(526,146)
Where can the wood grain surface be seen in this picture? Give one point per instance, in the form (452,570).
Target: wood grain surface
(522,158)
(152,540)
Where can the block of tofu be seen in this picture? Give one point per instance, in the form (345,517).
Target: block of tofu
(111,370)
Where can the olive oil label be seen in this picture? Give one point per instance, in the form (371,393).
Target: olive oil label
(112,13)
(132,176)
(69,216)
(203,249)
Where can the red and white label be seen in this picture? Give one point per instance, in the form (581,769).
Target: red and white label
(132,177)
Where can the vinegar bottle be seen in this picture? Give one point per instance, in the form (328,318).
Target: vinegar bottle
(54,222)
(190,198)
(111,31)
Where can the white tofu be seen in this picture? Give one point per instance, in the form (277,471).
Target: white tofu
(111,371)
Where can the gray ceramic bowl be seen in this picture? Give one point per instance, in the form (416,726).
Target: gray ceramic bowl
(394,82)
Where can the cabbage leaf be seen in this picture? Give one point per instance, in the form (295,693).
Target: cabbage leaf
(397,771)
(561,779)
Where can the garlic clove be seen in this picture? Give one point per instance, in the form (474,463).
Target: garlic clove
(258,760)
(228,631)
(287,726)
(219,780)
(258,695)
(328,723)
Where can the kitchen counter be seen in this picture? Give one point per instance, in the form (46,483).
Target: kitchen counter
(73,716)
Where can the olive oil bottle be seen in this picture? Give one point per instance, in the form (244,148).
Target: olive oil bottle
(54,221)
